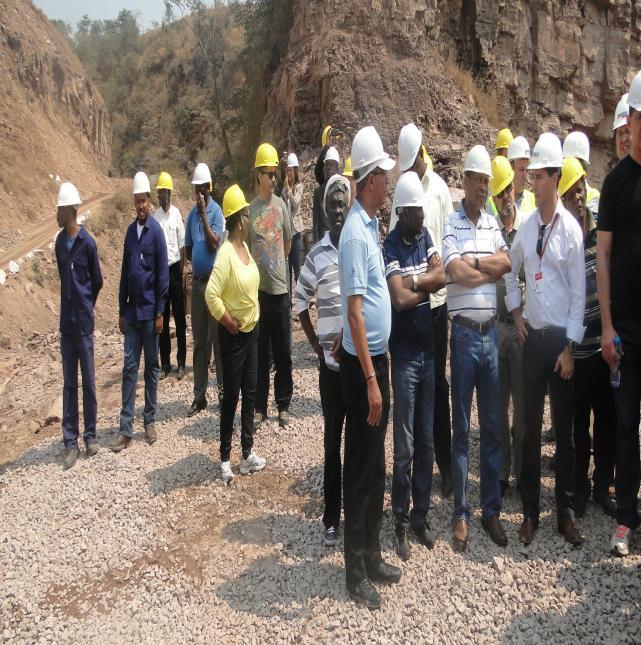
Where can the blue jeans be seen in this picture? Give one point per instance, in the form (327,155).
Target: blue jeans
(474,363)
(139,336)
(413,386)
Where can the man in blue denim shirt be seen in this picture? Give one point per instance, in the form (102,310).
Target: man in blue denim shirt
(80,284)
(413,271)
(144,284)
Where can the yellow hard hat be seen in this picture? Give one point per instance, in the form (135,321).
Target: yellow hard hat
(571,172)
(426,158)
(165,181)
(503,139)
(502,175)
(325,134)
(266,156)
(233,201)
(347,170)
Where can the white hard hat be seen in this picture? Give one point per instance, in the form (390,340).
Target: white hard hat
(141,183)
(368,153)
(68,195)
(409,143)
(201,174)
(621,113)
(547,152)
(634,96)
(332,155)
(478,160)
(519,148)
(292,160)
(408,191)
(577,145)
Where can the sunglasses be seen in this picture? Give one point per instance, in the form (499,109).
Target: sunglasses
(271,174)
(539,242)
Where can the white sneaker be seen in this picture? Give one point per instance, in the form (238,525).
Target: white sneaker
(620,542)
(252,464)
(225,472)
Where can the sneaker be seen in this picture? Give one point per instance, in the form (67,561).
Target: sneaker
(91,448)
(252,464)
(225,472)
(283,418)
(331,534)
(620,542)
(120,443)
(70,457)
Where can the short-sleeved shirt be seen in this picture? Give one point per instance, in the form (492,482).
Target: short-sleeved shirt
(202,255)
(462,238)
(620,214)
(362,273)
(411,329)
(270,230)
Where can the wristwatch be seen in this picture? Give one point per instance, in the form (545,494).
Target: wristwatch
(571,345)
(414,282)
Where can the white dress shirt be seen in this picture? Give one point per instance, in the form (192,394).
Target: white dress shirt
(174,229)
(554,283)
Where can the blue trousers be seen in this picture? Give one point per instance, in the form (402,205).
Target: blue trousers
(78,348)
(139,336)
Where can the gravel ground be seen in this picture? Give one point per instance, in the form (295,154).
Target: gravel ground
(150,546)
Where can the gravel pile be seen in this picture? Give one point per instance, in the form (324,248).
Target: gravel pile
(151,546)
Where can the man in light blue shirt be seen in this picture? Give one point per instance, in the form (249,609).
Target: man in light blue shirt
(367,323)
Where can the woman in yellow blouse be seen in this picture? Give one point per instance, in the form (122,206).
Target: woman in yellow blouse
(232,298)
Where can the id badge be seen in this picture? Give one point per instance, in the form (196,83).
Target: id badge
(538,282)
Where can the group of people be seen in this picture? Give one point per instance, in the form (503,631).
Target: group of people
(538,288)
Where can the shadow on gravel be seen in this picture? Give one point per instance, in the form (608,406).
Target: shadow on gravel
(193,470)
(310,487)
(43,454)
(203,427)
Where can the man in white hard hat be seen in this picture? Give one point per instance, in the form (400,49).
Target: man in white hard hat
(437,205)
(618,256)
(475,257)
(518,154)
(203,234)
(144,283)
(577,145)
(330,168)
(414,271)
(80,284)
(620,128)
(364,375)
(549,249)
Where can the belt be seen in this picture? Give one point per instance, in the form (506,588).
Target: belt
(479,327)
(506,320)
(202,278)
(547,332)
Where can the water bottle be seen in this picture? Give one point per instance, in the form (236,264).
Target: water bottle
(615,372)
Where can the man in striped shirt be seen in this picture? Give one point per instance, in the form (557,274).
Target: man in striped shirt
(319,280)
(475,256)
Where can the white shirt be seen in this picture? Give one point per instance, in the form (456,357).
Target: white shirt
(557,299)
(461,238)
(437,205)
(139,228)
(174,229)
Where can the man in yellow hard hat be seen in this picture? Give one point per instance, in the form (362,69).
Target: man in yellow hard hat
(171,222)
(270,241)
(330,137)
(331,167)
(503,140)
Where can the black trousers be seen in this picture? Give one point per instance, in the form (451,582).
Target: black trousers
(275,327)
(176,301)
(239,356)
(364,468)
(593,394)
(329,383)
(540,352)
(627,397)
(442,421)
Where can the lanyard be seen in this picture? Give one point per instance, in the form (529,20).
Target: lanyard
(547,239)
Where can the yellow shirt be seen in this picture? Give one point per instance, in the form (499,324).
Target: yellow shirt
(233,287)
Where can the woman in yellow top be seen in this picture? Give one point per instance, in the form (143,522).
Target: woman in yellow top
(232,298)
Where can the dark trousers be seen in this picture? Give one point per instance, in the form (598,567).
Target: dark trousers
(540,352)
(364,467)
(275,327)
(593,394)
(78,348)
(239,356)
(329,383)
(627,397)
(442,422)
(294,260)
(175,301)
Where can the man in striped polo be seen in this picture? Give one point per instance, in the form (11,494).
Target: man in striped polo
(319,280)
(475,256)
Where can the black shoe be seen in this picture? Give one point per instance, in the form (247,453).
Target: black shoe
(423,536)
(580,502)
(504,487)
(384,572)
(403,548)
(568,529)
(446,486)
(196,407)
(259,419)
(71,455)
(180,373)
(607,504)
(494,529)
(164,373)
(365,593)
